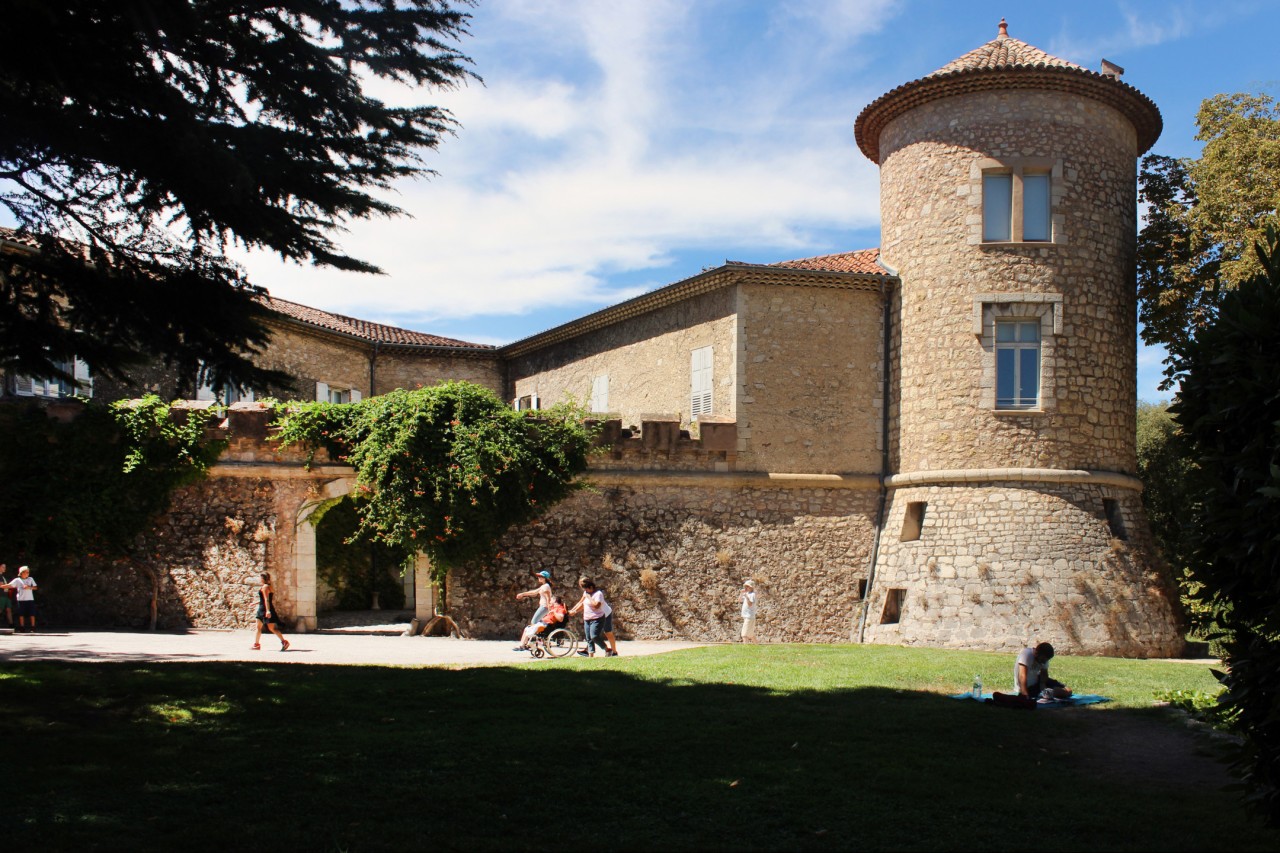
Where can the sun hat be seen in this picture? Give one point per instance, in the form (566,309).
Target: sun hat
(22,569)
(749,582)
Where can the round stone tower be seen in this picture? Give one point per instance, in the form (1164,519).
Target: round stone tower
(1008,209)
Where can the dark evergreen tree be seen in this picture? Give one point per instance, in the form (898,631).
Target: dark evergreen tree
(140,139)
(1228,412)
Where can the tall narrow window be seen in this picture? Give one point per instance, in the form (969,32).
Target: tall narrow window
(1035,207)
(892,613)
(1115,521)
(700,383)
(1017,348)
(997,207)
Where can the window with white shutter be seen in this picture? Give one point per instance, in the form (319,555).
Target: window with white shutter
(700,383)
(84,380)
(600,393)
(31,386)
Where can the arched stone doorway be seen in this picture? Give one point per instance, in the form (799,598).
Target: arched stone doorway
(306,578)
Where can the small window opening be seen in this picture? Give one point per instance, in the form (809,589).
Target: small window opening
(913,522)
(862,588)
(1115,521)
(893,607)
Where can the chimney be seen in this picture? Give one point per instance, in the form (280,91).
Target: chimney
(1110,69)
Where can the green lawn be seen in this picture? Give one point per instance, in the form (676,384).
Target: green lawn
(772,747)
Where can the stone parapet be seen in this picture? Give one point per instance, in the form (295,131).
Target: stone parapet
(661,445)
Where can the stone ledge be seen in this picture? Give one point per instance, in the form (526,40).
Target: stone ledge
(280,470)
(738,479)
(1013,475)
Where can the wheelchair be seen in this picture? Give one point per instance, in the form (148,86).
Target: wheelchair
(556,641)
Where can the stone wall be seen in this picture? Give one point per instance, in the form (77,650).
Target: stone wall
(411,369)
(312,356)
(647,361)
(206,553)
(811,379)
(1001,565)
(671,554)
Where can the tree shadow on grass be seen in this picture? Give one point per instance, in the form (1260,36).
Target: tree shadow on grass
(372,758)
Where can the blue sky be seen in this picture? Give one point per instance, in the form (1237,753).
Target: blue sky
(620,145)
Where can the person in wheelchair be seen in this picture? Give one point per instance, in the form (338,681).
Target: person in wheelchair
(555,616)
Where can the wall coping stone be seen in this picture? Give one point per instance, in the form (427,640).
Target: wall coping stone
(1014,475)
(735,479)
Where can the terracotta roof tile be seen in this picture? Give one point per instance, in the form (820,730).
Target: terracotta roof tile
(862,261)
(1004,52)
(21,238)
(363,329)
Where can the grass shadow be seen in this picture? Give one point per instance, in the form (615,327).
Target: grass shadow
(375,758)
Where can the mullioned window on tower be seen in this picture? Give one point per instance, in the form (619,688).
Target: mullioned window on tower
(1016,207)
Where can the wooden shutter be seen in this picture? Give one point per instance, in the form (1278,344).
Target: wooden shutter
(700,382)
(84,380)
(356,396)
(322,392)
(600,393)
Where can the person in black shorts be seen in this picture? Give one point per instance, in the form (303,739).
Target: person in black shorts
(267,616)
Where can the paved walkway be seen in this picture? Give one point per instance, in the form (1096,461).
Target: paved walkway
(91,645)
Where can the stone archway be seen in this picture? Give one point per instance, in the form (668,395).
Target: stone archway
(305,591)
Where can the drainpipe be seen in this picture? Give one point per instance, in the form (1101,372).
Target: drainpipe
(373,370)
(884,465)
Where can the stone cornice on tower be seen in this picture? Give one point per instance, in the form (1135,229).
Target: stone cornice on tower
(1005,63)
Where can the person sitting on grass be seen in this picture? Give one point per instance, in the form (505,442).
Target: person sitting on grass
(555,615)
(1031,675)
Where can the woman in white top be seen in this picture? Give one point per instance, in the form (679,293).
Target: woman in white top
(544,595)
(597,618)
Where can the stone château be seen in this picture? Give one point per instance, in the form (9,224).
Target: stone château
(932,442)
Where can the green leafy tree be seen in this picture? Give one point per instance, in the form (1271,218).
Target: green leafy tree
(446,470)
(1204,214)
(142,139)
(1228,411)
(1168,495)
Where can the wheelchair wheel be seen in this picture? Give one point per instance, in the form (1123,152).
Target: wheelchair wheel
(536,651)
(561,642)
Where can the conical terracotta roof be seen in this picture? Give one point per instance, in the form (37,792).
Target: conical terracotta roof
(1007,63)
(1004,51)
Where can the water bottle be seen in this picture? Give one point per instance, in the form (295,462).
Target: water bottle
(976,693)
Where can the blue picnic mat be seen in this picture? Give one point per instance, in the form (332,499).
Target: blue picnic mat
(1078,699)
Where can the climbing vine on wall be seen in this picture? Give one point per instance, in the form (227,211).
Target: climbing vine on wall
(90,484)
(446,470)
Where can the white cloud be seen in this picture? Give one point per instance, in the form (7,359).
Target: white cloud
(559,180)
(1143,26)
